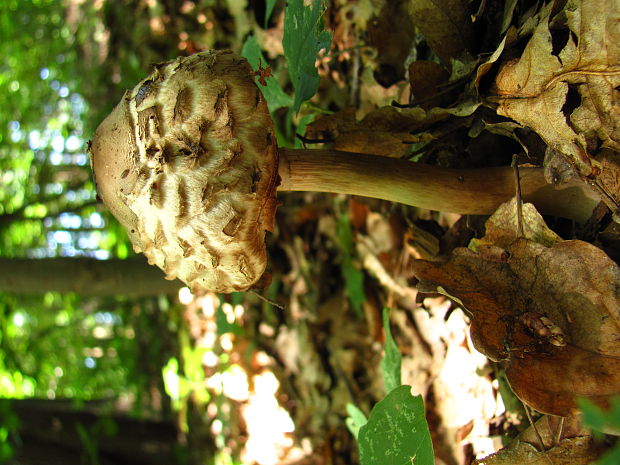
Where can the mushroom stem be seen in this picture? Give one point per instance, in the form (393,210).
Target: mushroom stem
(468,191)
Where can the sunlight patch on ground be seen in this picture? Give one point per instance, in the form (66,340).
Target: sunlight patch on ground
(466,397)
(268,424)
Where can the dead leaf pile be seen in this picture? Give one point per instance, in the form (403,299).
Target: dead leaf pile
(565,87)
(548,308)
(446,26)
(574,446)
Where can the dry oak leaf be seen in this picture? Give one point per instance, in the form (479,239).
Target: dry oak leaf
(548,308)
(446,26)
(386,131)
(570,98)
(572,451)
(575,446)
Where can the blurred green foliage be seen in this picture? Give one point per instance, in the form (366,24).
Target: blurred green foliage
(55,346)
(65,65)
(353,276)
(67,346)
(603,421)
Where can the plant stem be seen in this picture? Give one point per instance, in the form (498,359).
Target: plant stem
(470,191)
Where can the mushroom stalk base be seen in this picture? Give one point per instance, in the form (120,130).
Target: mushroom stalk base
(470,191)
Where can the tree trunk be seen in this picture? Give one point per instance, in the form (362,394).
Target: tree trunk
(86,276)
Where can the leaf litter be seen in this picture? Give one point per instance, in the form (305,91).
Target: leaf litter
(547,309)
(505,280)
(570,96)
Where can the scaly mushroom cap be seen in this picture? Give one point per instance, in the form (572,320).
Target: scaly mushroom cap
(187,162)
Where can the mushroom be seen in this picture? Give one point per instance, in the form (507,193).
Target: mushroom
(188,163)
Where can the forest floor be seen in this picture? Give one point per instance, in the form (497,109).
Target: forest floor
(291,370)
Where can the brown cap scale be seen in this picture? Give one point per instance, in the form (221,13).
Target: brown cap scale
(187,162)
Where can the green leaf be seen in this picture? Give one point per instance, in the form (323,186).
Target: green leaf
(391,362)
(170,374)
(6,452)
(599,420)
(610,458)
(275,96)
(303,38)
(268,10)
(396,432)
(354,282)
(355,420)
(353,277)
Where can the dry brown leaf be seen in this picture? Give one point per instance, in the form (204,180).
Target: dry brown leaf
(570,98)
(427,79)
(391,33)
(572,451)
(610,173)
(486,66)
(386,131)
(446,26)
(575,447)
(549,308)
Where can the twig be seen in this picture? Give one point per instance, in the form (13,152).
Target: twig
(529,417)
(557,437)
(354,95)
(515,166)
(267,300)
(307,140)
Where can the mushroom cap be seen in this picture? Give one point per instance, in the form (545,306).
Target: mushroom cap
(187,162)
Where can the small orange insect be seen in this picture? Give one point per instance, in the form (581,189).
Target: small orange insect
(262,73)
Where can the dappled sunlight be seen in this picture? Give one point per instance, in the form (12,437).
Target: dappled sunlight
(465,395)
(269,428)
(233,383)
(268,424)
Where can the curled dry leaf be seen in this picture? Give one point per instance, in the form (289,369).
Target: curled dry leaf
(575,446)
(385,131)
(572,451)
(391,33)
(565,84)
(446,26)
(389,136)
(549,308)
(427,81)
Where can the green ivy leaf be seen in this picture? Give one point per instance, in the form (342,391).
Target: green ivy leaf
(303,38)
(391,362)
(396,432)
